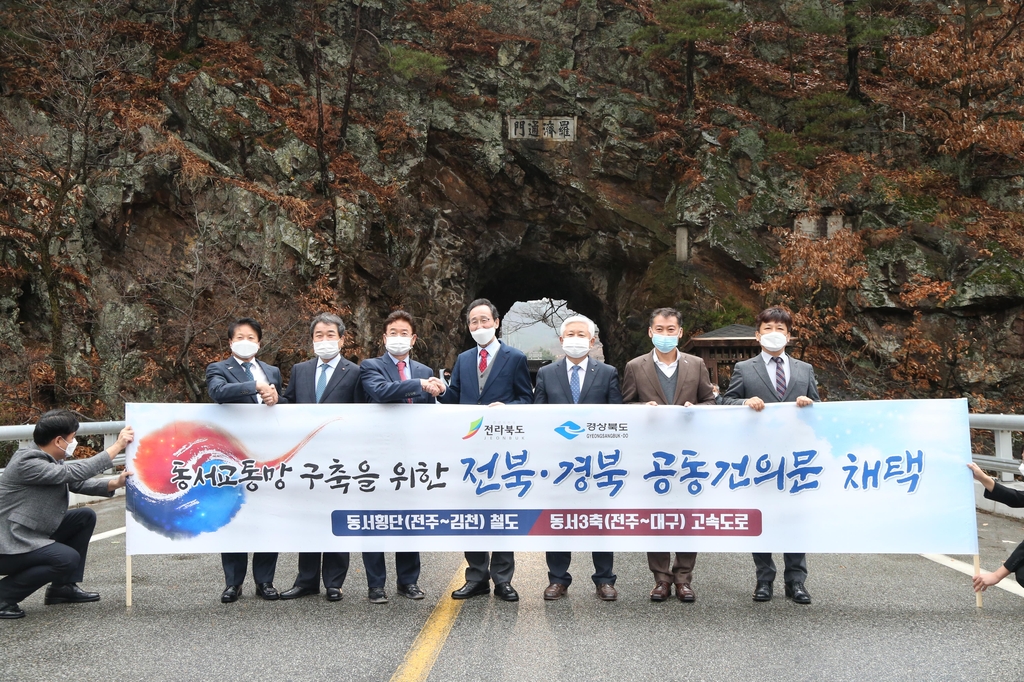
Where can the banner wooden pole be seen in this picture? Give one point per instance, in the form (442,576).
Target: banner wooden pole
(127,581)
(977,571)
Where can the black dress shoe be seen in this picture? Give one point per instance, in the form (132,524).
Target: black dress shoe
(267,591)
(411,591)
(296,592)
(505,592)
(10,611)
(68,594)
(231,593)
(763,591)
(472,588)
(377,595)
(798,593)
(333,594)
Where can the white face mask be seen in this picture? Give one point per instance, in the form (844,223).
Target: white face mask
(325,350)
(773,341)
(69,449)
(576,347)
(398,345)
(245,349)
(483,335)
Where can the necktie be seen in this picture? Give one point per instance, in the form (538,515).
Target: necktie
(321,382)
(247,368)
(780,378)
(402,375)
(483,360)
(574,383)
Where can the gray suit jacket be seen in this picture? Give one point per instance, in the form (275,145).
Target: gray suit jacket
(750,379)
(34,495)
(640,383)
(600,386)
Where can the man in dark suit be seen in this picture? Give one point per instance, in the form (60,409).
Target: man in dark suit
(396,378)
(578,379)
(40,540)
(652,378)
(244,379)
(774,377)
(327,378)
(490,374)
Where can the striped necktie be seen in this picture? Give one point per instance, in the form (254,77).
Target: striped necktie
(780,378)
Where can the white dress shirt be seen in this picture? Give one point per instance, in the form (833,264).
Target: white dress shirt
(257,373)
(770,366)
(492,351)
(408,365)
(331,365)
(667,369)
(583,370)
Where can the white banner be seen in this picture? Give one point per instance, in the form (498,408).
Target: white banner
(885,476)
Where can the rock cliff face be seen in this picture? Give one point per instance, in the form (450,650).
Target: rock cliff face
(223,208)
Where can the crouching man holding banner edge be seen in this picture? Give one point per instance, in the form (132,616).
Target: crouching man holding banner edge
(40,540)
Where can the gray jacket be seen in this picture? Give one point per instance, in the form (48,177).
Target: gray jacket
(750,379)
(34,495)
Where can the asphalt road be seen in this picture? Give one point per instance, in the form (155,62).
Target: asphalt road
(874,617)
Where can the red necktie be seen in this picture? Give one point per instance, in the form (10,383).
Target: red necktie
(483,360)
(402,375)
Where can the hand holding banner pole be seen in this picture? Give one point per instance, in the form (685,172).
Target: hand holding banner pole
(977,572)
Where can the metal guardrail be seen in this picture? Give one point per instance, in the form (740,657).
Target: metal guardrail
(109,430)
(1002,426)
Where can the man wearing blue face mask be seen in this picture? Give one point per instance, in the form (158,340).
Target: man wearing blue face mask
(774,377)
(668,377)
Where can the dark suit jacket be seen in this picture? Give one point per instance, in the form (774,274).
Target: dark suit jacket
(34,495)
(509,380)
(693,382)
(226,381)
(1011,498)
(382,384)
(600,385)
(750,379)
(343,387)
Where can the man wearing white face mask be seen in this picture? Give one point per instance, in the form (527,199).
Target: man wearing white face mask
(40,540)
(774,377)
(244,379)
(327,378)
(396,378)
(668,377)
(574,380)
(492,373)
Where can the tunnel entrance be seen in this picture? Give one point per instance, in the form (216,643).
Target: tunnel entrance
(522,286)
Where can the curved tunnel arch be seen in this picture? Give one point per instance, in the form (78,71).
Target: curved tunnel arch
(524,279)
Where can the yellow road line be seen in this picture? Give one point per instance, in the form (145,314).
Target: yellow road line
(423,653)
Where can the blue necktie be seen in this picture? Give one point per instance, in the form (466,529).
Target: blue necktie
(574,383)
(321,383)
(248,371)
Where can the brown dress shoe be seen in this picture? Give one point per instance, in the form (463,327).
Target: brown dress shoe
(684,592)
(661,591)
(555,591)
(606,592)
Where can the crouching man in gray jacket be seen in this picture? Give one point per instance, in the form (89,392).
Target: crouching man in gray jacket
(40,540)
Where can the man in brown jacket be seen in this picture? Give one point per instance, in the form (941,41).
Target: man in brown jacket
(651,379)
